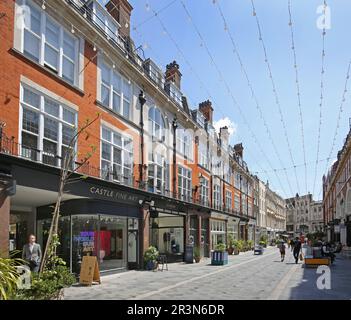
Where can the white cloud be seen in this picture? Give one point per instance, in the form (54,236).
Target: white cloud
(232,128)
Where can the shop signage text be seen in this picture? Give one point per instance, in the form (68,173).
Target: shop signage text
(114,195)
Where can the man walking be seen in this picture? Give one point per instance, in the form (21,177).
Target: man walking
(297,249)
(32,253)
(292,242)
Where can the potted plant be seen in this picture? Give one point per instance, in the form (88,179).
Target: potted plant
(197,254)
(263,241)
(230,248)
(220,255)
(236,247)
(150,258)
(240,245)
(250,244)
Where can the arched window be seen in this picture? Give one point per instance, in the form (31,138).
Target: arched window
(156,124)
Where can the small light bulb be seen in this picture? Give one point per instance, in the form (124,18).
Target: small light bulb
(94,48)
(113,66)
(43,5)
(72,29)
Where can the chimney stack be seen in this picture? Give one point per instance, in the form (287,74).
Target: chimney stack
(206,109)
(173,74)
(121,10)
(239,149)
(224,135)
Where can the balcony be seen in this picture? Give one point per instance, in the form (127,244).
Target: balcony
(97,16)
(10,147)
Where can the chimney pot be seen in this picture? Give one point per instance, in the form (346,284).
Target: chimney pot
(206,109)
(173,74)
(239,149)
(121,11)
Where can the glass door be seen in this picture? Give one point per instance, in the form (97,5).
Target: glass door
(113,243)
(84,238)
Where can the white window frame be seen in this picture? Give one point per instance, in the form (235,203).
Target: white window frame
(184,183)
(228,199)
(175,94)
(236,202)
(217,195)
(106,22)
(203,155)
(42,114)
(124,164)
(204,191)
(158,162)
(111,90)
(153,124)
(184,142)
(23,21)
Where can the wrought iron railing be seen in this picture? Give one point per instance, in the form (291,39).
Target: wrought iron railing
(9,146)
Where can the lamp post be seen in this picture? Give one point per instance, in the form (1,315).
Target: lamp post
(142,101)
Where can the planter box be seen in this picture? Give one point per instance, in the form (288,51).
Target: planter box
(219,258)
(150,265)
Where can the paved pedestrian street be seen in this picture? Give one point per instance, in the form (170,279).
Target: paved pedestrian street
(245,277)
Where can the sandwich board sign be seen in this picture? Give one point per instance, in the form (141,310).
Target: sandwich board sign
(89,271)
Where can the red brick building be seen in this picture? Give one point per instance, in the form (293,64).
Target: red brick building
(337,197)
(159,174)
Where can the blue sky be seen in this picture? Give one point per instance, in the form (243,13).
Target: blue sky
(274,18)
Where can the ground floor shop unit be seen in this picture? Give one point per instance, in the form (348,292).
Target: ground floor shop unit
(113,222)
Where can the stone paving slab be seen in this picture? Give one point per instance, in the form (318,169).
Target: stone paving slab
(245,277)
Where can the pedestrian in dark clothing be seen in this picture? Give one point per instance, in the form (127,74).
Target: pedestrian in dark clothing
(282,251)
(292,242)
(297,249)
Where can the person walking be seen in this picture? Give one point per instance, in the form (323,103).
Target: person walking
(297,249)
(32,253)
(292,242)
(282,250)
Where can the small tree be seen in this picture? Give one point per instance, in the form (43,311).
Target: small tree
(68,168)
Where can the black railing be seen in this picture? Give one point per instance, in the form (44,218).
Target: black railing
(10,147)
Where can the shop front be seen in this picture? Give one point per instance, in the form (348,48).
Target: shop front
(95,228)
(167,234)
(218,229)
(199,233)
(233,228)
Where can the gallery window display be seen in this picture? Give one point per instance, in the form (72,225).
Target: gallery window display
(102,236)
(167,234)
(218,232)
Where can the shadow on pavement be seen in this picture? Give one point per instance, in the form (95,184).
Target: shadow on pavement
(340,282)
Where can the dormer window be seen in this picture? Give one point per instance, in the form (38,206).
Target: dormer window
(154,72)
(104,20)
(174,93)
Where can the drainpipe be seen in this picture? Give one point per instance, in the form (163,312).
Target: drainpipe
(174,180)
(142,101)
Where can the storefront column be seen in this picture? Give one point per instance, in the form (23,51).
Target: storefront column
(4,223)
(144,234)
(199,244)
(187,229)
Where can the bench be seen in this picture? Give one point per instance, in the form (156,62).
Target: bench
(315,262)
